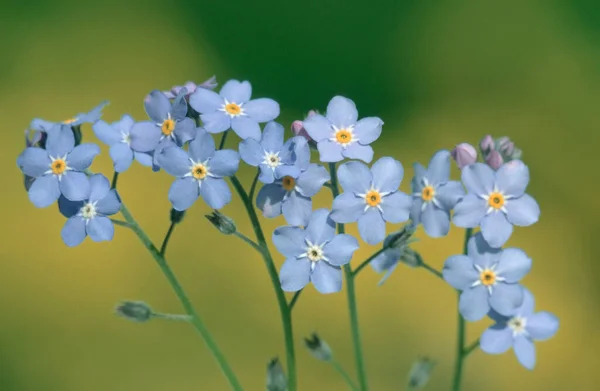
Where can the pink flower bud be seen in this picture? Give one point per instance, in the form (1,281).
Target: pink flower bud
(298,130)
(487,143)
(494,160)
(464,154)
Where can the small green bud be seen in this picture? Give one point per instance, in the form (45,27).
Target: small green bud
(318,348)
(135,311)
(177,216)
(401,238)
(222,222)
(420,373)
(276,380)
(411,258)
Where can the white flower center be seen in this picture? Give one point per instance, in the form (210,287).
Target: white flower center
(488,277)
(232,109)
(272,159)
(517,325)
(343,136)
(314,253)
(125,138)
(427,194)
(88,211)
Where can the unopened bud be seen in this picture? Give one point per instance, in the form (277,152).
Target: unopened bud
(411,258)
(318,348)
(135,311)
(420,373)
(276,380)
(177,216)
(494,160)
(507,149)
(486,144)
(222,222)
(401,238)
(464,154)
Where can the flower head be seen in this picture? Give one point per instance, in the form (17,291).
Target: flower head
(340,135)
(371,197)
(519,330)
(499,151)
(191,87)
(81,118)
(274,158)
(89,217)
(199,172)
(232,108)
(168,124)
(58,168)
(488,278)
(313,254)
(496,201)
(464,154)
(435,195)
(117,137)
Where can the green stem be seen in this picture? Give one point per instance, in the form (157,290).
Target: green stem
(115,178)
(253,187)
(251,242)
(185,301)
(295,299)
(121,223)
(223,139)
(433,271)
(344,374)
(284,310)
(367,261)
(176,317)
(351,295)
(460,345)
(165,243)
(470,348)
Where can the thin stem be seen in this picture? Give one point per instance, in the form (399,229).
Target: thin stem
(460,345)
(251,242)
(295,299)
(344,374)
(121,223)
(115,178)
(223,139)
(351,295)
(185,301)
(433,271)
(253,187)
(176,317)
(284,310)
(165,243)
(470,348)
(367,261)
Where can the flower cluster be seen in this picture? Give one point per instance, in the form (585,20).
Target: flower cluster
(178,138)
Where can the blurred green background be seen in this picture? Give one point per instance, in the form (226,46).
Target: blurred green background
(438,73)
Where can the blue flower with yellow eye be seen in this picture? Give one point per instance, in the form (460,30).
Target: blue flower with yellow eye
(82,118)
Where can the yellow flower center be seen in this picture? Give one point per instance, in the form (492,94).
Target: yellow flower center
(487,277)
(168,126)
(343,136)
(427,193)
(288,183)
(70,121)
(199,171)
(373,198)
(58,166)
(496,200)
(233,109)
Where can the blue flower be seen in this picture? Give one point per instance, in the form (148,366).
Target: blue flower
(169,123)
(339,135)
(232,108)
(190,86)
(496,201)
(488,278)
(519,330)
(81,118)
(314,254)
(116,136)
(274,158)
(88,217)
(199,172)
(371,197)
(57,168)
(435,195)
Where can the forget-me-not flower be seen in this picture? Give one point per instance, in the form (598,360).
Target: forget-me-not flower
(274,158)
(199,172)
(191,87)
(168,123)
(519,330)
(117,137)
(371,197)
(434,195)
(496,201)
(232,108)
(313,254)
(89,217)
(488,278)
(339,135)
(81,118)
(57,168)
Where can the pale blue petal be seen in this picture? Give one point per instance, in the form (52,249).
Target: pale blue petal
(417,181)
(320,228)
(542,325)
(525,352)
(312,180)
(513,264)
(121,155)
(107,133)
(202,147)
(100,229)
(294,274)
(73,232)
(506,298)
(183,193)
(355,177)
(372,226)
(459,272)
(269,199)
(145,159)
(522,211)
(245,127)
(283,171)
(528,305)
(436,221)
(478,178)
(157,106)
(329,152)
(174,160)
(368,130)
(301,152)
(185,130)
(110,204)
(326,278)
(396,207)
(469,211)
(216,122)
(387,174)
(512,178)
(318,127)
(145,136)
(496,229)
(359,152)
(341,112)
(347,208)
(251,152)
(99,187)
(69,208)
(224,163)
(386,260)
(340,249)
(215,192)
(81,156)
(75,186)
(473,303)
(438,170)
(60,141)
(206,101)
(124,125)
(497,339)
(289,241)
(296,208)
(449,194)
(416,210)
(267,175)
(262,109)
(34,161)
(272,137)
(481,253)
(179,106)
(41,125)
(44,191)
(236,92)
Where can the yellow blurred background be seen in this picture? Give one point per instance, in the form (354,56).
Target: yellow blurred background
(437,73)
